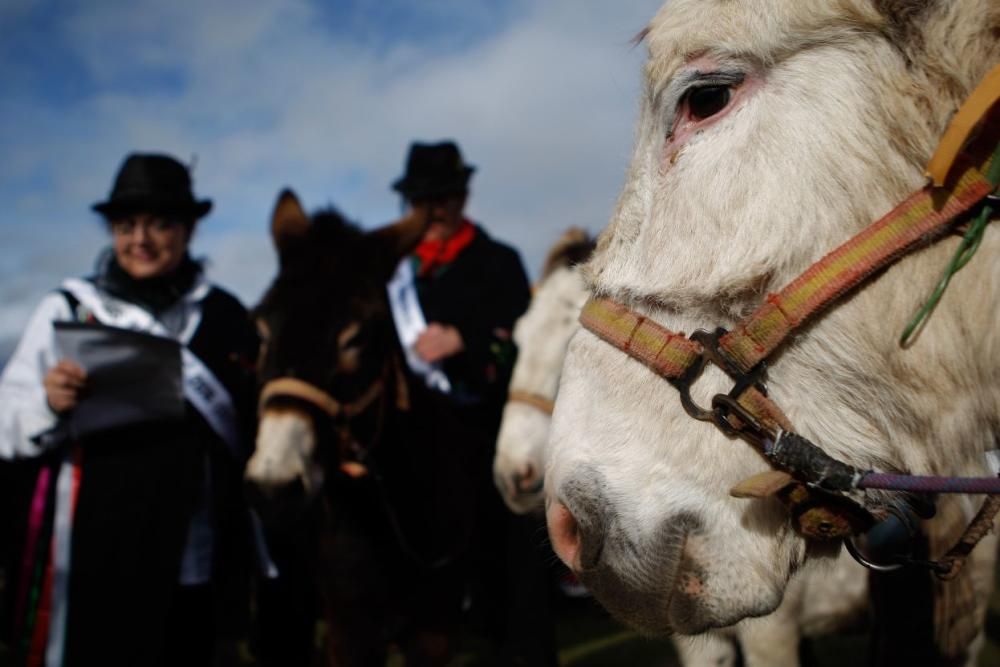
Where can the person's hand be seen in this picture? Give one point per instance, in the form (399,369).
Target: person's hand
(437,342)
(62,384)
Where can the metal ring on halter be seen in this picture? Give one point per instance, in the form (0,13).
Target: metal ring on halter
(712,353)
(856,554)
(724,405)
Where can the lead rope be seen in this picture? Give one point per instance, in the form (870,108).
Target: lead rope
(952,562)
(367,459)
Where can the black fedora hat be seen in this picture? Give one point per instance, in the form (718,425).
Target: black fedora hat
(152,183)
(434,170)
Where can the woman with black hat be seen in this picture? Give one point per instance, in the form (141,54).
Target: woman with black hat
(136,543)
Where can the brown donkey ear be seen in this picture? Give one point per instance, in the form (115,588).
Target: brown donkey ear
(288,221)
(400,237)
(573,247)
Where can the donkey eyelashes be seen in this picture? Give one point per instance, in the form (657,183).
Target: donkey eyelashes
(696,95)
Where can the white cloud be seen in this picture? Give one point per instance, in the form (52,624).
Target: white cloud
(267,96)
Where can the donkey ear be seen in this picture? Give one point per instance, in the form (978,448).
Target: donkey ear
(573,247)
(288,221)
(400,237)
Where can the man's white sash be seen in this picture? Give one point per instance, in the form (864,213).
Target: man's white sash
(201,387)
(410,323)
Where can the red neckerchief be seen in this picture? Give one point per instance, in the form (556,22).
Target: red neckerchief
(439,252)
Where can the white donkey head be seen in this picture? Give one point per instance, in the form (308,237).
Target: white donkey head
(770,131)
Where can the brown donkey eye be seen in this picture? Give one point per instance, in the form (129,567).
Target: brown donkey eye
(707,101)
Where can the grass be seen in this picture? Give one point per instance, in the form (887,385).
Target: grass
(588,637)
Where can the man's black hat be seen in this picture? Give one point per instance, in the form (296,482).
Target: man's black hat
(154,184)
(434,170)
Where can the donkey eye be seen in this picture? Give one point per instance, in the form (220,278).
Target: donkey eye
(706,101)
(355,340)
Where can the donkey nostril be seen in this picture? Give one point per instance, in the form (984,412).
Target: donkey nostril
(526,478)
(564,533)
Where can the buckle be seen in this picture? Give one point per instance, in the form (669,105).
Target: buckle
(724,406)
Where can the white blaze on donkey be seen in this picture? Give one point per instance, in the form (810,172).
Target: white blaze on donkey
(770,132)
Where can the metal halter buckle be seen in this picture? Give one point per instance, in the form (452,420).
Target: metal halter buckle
(724,406)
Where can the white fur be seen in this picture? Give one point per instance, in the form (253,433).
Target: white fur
(542,335)
(285,445)
(832,129)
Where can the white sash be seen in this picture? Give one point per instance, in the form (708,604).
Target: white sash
(201,387)
(410,323)
(208,395)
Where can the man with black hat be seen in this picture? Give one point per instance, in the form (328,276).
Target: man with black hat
(152,505)
(455,300)
(471,289)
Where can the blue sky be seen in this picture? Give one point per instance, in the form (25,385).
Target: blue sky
(324,97)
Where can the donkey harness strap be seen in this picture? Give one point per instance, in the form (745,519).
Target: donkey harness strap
(546,405)
(972,112)
(293,387)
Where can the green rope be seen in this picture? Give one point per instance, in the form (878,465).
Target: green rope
(966,249)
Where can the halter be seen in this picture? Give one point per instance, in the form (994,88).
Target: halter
(537,401)
(341,412)
(313,395)
(823,494)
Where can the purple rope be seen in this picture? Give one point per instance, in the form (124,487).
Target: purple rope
(929,483)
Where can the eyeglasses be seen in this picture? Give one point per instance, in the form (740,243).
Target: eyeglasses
(151,224)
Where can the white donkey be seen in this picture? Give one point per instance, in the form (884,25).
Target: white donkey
(542,335)
(818,603)
(771,132)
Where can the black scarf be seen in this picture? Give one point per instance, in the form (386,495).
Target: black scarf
(153,294)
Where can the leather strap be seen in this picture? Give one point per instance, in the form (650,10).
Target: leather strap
(288,386)
(971,113)
(546,405)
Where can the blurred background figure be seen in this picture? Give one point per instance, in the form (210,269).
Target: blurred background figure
(455,300)
(133,543)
